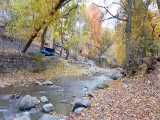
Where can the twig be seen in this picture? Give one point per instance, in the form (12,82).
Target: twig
(113,16)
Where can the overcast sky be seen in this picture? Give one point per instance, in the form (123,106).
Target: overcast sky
(113,9)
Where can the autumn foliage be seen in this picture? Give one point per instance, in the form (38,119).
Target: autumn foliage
(94,14)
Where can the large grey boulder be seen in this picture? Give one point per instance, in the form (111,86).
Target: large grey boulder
(115,74)
(102,82)
(47,108)
(79,110)
(28,102)
(81,103)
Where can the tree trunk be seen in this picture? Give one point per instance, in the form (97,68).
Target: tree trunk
(158,4)
(128,36)
(43,37)
(67,54)
(61,51)
(34,35)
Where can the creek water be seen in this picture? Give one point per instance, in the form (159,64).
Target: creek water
(61,94)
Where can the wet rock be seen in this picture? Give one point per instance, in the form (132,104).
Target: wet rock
(44,99)
(103,82)
(90,94)
(115,74)
(38,83)
(90,63)
(28,102)
(34,111)
(47,108)
(84,91)
(102,86)
(81,103)
(22,116)
(56,87)
(79,110)
(47,83)
(15,96)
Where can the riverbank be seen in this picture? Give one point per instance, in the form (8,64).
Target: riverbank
(75,80)
(30,71)
(133,98)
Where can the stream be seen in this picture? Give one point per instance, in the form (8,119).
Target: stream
(61,94)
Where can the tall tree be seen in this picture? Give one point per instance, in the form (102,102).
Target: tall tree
(94,15)
(128,34)
(55,6)
(158,4)
(36,17)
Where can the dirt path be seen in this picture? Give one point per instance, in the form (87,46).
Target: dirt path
(136,98)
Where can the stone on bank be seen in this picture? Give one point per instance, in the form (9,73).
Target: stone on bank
(47,108)
(81,103)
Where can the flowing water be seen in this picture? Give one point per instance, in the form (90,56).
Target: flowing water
(61,94)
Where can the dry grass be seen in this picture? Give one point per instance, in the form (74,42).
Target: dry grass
(63,69)
(56,69)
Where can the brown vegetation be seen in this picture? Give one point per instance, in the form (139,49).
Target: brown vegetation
(133,98)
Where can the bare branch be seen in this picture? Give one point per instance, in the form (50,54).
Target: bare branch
(64,3)
(124,6)
(113,16)
(70,10)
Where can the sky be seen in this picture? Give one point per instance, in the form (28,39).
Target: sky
(112,7)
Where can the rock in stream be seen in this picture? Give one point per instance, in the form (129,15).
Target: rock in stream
(28,102)
(81,103)
(47,108)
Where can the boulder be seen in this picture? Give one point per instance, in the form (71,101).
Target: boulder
(79,110)
(47,83)
(47,108)
(103,86)
(89,94)
(44,99)
(56,87)
(15,96)
(115,74)
(28,102)
(38,83)
(90,63)
(81,103)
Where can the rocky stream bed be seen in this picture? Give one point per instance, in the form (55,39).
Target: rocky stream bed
(53,100)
